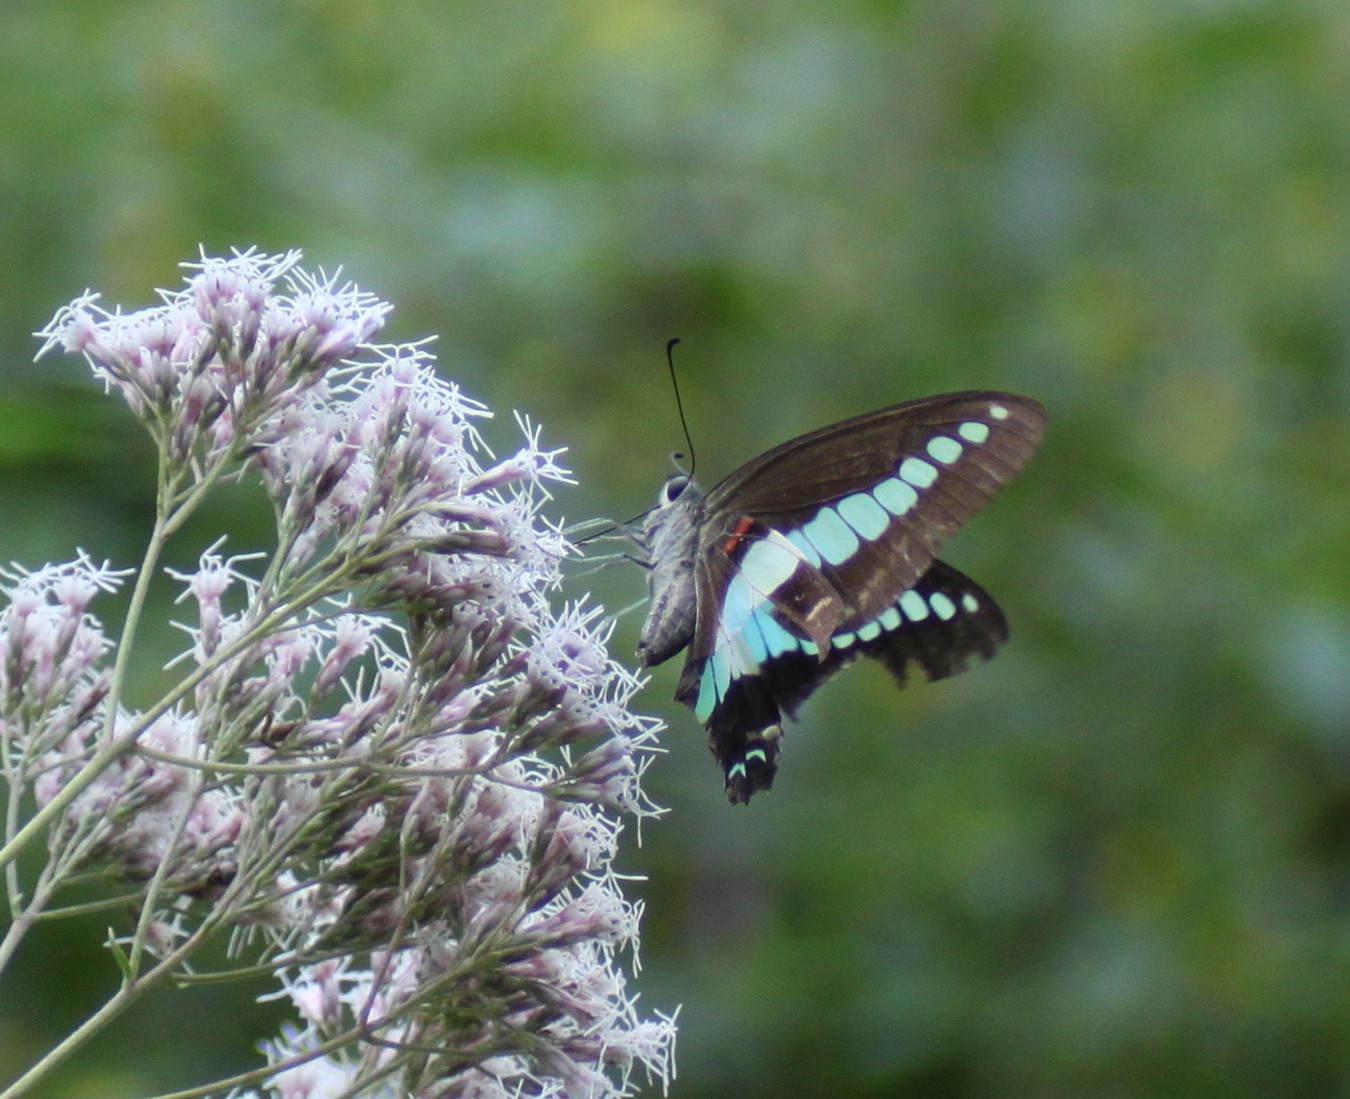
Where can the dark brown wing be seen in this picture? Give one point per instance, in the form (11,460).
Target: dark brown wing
(785,489)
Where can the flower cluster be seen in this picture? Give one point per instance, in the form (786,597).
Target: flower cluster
(391,770)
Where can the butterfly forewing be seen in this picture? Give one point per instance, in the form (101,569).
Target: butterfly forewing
(876,495)
(843,456)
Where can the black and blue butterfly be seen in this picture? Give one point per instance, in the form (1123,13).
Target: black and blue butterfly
(822,550)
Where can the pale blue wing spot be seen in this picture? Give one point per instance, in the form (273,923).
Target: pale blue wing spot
(743,660)
(750,647)
(721,671)
(943,607)
(768,565)
(998,412)
(970,603)
(736,770)
(916,610)
(803,544)
(864,515)
(776,638)
(810,648)
(870,631)
(832,536)
(890,619)
(944,449)
(707,695)
(738,604)
(918,473)
(754,753)
(895,496)
(973,432)
(734,648)
(843,640)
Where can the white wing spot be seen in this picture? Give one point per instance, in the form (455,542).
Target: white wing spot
(864,514)
(918,473)
(973,432)
(869,631)
(895,496)
(832,537)
(916,610)
(767,566)
(943,607)
(944,449)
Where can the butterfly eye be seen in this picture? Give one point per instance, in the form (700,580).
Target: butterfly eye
(675,484)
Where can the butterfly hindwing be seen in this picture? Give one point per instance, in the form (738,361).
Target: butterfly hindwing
(762,675)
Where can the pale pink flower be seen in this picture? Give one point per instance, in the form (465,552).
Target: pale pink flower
(395,769)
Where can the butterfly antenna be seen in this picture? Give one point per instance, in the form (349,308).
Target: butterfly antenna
(679,404)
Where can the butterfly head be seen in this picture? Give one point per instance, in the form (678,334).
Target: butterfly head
(674,487)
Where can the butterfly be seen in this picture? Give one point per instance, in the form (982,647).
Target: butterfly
(822,550)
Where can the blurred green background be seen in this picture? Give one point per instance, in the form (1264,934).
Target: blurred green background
(1114,862)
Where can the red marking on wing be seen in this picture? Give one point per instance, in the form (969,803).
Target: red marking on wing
(737,535)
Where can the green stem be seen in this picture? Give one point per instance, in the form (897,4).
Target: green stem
(118,1003)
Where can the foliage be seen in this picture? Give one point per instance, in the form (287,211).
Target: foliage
(1112,862)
